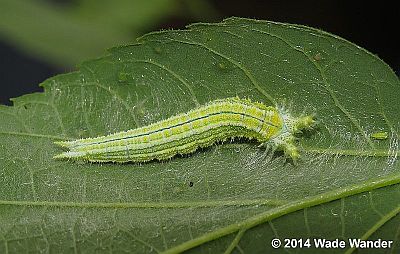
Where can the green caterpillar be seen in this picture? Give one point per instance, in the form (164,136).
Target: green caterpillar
(201,127)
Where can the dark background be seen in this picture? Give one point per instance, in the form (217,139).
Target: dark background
(372,25)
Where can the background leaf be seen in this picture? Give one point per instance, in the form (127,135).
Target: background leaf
(84,28)
(241,197)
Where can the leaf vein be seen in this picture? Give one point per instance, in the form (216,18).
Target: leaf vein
(326,86)
(250,76)
(175,75)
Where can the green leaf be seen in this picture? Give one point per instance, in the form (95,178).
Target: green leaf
(67,35)
(230,197)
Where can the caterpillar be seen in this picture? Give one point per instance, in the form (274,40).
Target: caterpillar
(215,121)
(382,135)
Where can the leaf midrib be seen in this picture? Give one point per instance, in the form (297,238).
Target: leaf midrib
(344,152)
(157,205)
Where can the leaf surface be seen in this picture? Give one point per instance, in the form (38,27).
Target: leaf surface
(231,197)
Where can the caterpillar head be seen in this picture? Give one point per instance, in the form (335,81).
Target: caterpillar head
(286,140)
